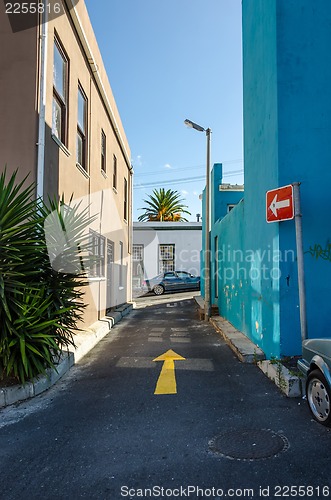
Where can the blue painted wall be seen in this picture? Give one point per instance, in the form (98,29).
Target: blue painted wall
(219,202)
(304,125)
(287,130)
(260,320)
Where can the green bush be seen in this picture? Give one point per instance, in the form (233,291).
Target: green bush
(41,278)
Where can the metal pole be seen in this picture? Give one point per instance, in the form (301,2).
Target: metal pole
(301,272)
(207,221)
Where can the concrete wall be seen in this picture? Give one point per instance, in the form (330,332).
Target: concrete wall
(287,125)
(261,319)
(19,98)
(220,199)
(92,187)
(304,124)
(231,195)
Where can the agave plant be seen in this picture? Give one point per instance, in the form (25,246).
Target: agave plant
(39,303)
(164,206)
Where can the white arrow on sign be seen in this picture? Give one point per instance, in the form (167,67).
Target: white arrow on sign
(276,205)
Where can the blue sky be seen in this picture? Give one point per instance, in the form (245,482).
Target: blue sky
(168,61)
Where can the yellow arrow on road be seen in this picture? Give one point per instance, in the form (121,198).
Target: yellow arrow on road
(166,383)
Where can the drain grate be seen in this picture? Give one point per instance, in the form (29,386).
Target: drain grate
(249,444)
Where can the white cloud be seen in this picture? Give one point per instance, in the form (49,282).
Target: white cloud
(167,165)
(184,192)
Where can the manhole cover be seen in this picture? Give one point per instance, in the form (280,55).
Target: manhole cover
(249,444)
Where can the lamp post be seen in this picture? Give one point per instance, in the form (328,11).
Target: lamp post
(191,124)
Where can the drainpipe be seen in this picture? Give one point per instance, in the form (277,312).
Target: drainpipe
(42,103)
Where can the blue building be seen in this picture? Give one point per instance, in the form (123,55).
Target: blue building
(287,131)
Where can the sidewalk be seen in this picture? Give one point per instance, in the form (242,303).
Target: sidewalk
(85,341)
(248,352)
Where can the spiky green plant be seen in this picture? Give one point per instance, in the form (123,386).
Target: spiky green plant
(164,206)
(40,303)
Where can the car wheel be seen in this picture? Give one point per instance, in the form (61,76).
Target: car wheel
(158,290)
(319,397)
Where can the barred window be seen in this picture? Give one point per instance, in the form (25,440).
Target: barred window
(97,250)
(137,253)
(137,264)
(166,258)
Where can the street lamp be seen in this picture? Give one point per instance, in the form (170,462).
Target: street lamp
(191,124)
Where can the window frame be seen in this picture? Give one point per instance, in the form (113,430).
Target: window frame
(103,152)
(97,252)
(82,134)
(57,98)
(166,259)
(114,172)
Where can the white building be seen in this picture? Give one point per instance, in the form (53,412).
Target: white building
(165,246)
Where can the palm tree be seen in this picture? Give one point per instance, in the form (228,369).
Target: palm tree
(164,206)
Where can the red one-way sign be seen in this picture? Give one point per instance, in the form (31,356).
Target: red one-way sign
(279,204)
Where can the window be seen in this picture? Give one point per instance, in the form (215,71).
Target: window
(170,276)
(60,92)
(125,202)
(97,250)
(81,128)
(166,258)
(103,151)
(137,264)
(114,172)
(110,251)
(137,253)
(183,275)
(230,207)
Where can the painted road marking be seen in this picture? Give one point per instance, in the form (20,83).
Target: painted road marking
(143,362)
(166,383)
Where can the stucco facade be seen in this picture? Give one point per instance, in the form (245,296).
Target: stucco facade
(287,129)
(176,245)
(53,79)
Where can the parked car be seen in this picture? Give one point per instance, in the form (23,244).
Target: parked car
(316,366)
(172,281)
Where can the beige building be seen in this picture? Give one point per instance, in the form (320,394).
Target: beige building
(59,121)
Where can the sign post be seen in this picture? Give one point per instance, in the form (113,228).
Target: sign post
(301,271)
(284,204)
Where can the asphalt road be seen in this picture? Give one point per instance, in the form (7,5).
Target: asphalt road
(102,433)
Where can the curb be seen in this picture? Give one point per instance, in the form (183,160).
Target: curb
(248,352)
(245,349)
(85,341)
(289,384)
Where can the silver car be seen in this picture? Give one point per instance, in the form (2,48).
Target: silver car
(316,366)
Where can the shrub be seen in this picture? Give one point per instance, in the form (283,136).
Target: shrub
(40,303)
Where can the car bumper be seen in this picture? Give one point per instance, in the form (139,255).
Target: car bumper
(303,366)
